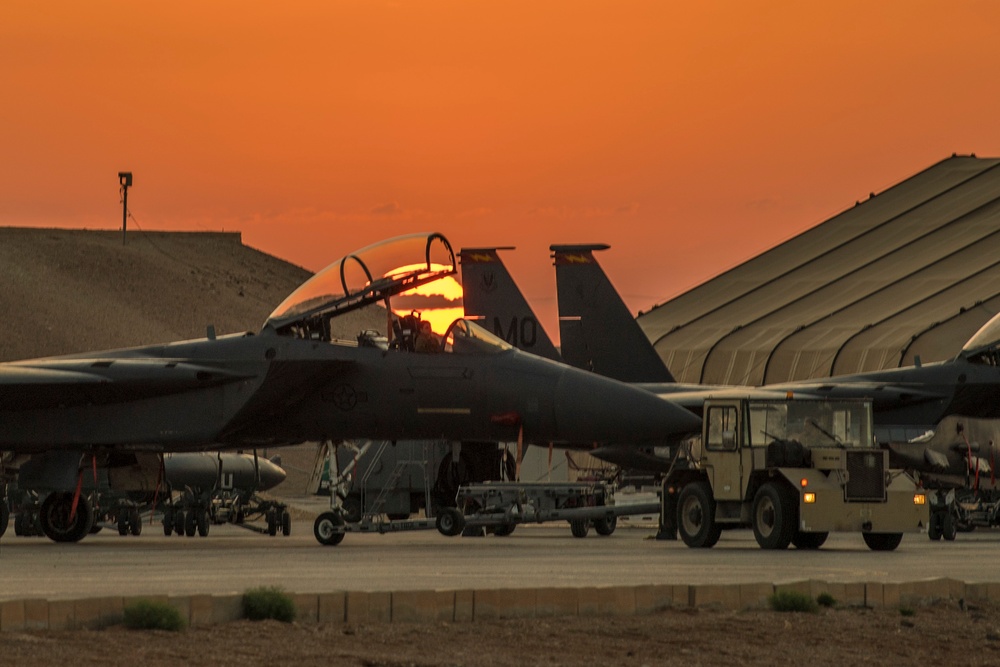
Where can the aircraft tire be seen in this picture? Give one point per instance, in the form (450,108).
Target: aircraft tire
(352,508)
(323,529)
(696,516)
(168,521)
(774,516)
(286,523)
(190,523)
(803,540)
(272,523)
(450,521)
(122,521)
(504,529)
(19,524)
(179,522)
(949,529)
(579,527)
(606,526)
(134,522)
(202,521)
(57,525)
(4,517)
(882,541)
(934,526)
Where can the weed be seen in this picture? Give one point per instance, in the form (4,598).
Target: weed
(153,615)
(792,601)
(268,602)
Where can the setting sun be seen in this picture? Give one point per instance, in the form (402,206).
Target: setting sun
(438,302)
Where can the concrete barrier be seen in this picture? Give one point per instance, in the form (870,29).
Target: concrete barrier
(436,606)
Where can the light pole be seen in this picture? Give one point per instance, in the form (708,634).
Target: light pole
(125,180)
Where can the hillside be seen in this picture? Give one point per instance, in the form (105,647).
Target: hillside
(66,291)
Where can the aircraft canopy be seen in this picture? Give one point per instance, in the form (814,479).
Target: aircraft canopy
(987,336)
(466,337)
(367,276)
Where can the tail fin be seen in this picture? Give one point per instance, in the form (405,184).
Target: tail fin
(492,296)
(596,330)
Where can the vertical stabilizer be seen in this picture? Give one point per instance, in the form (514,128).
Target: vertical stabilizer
(596,330)
(492,297)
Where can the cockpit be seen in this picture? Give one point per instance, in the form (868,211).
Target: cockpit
(372,276)
(982,348)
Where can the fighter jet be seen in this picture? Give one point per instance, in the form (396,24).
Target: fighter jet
(909,400)
(602,335)
(293,382)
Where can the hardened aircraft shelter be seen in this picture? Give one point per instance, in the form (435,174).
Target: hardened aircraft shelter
(906,276)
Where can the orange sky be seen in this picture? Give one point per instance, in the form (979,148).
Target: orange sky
(689,136)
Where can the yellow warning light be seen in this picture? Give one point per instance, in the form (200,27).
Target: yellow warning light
(804,482)
(809,497)
(789,395)
(919,499)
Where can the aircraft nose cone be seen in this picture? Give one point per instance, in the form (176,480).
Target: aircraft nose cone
(592,408)
(271,474)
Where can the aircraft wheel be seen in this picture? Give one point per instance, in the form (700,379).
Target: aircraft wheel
(882,541)
(803,540)
(191,522)
(286,523)
(774,516)
(352,508)
(168,521)
(272,523)
(949,529)
(504,529)
(179,521)
(57,522)
(122,521)
(202,521)
(606,526)
(935,526)
(324,527)
(4,517)
(450,521)
(579,527)
(696,516)
(134,522)
(19,524)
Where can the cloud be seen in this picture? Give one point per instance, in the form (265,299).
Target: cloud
(569,212)
(422,302)
(390,208)
(480,212)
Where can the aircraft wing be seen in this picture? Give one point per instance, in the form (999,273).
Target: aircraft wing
(882,394)
(694,399)
(51,383)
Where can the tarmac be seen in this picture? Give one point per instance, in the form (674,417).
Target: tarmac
(231,560)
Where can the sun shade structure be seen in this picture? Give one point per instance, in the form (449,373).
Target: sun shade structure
(907,276)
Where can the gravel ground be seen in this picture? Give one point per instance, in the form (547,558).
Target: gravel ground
(940,634)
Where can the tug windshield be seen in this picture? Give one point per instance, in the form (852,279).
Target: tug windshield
(813,423)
